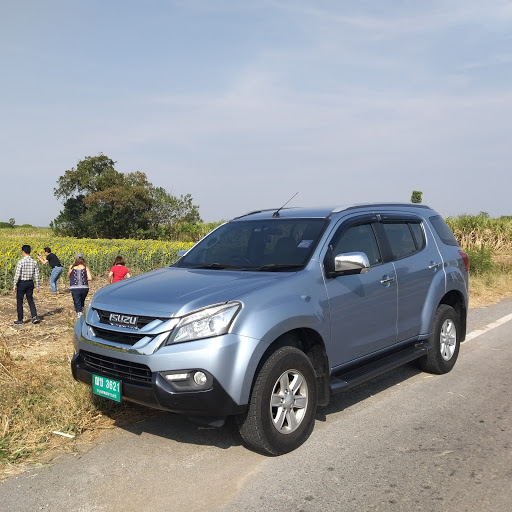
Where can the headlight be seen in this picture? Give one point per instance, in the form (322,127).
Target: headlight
(208,322)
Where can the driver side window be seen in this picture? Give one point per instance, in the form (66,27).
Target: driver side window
(359,238)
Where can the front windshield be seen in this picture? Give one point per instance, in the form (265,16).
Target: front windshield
(258,245)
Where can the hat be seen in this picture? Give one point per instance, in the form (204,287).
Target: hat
(79,256)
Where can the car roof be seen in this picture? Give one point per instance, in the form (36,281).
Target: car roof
(324,211)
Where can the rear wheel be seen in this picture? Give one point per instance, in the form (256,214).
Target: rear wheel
(445,342)
(283,403)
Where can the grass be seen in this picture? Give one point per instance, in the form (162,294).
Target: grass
(38,398)
(492,285)
(476,231)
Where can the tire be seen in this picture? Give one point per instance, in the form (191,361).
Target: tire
(283,402)
(445,342)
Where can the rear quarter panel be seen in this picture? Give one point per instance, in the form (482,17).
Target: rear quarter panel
(456,279)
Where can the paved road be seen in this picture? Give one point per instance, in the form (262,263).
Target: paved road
(405,441)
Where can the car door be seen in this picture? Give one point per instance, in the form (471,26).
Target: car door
(417,260)
(363,307)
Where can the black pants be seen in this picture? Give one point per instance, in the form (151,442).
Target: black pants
(25,288)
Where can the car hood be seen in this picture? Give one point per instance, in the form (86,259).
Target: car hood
(174,292)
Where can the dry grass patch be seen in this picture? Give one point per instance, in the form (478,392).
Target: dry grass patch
(38,397)
(490,287)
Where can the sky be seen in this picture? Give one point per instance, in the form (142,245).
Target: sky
(244,103)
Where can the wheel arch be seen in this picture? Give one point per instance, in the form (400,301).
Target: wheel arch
(311,343)
(456,300)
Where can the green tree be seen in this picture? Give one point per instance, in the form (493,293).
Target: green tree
(100,202)
(12,221)
(416,196)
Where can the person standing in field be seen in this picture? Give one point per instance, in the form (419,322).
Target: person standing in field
(26,277)
(79,277)
(118,272)
(55,265)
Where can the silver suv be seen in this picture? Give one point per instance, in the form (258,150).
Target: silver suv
(273,311)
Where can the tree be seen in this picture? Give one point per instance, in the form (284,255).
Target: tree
(100,202)
(12,221)
(416,196)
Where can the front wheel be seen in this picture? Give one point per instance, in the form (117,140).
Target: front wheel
(283,403)
(445,342)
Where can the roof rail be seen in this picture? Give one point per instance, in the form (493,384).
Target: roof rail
(380,205)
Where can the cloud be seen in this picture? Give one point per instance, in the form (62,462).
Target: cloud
(396,19)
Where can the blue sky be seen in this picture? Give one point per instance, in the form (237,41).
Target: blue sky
(244,103)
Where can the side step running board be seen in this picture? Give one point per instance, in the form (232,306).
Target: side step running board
(353,377)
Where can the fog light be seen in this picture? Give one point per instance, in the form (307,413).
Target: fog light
(174,377)
(200,378)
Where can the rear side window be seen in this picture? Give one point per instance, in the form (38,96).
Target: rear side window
(400,239)
(443,230)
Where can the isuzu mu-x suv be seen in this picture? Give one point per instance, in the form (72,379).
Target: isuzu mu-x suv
(272,312)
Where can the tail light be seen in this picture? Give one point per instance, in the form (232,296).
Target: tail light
(465,257)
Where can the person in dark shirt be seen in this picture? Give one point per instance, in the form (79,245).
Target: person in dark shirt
(79,278)
(55,265)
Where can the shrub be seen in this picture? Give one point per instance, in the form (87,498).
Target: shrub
(481,260)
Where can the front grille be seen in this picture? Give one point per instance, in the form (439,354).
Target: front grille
(142,321)
(124,337)
(125,371)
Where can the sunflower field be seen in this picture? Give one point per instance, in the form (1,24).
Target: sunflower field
(139,255)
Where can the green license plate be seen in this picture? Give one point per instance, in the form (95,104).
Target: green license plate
(108,388)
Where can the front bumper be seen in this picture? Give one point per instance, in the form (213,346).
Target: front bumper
(157,393)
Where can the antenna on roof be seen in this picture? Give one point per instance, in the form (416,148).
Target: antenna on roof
(276,213)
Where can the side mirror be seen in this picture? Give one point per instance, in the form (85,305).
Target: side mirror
(351,263)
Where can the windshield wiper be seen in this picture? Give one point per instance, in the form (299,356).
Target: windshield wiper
(218,266)
(275,267)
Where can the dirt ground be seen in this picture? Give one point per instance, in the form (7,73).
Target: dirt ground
(56,313)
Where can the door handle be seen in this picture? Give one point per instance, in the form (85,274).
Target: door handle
(387,280)
(434,266)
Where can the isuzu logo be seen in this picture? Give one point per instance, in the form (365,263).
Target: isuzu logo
(123,320)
